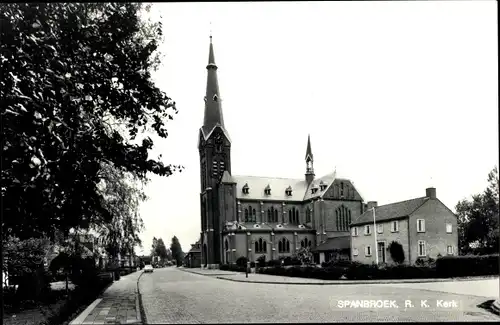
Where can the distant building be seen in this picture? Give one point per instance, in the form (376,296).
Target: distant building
(252,216)
(193,257)
(424,226)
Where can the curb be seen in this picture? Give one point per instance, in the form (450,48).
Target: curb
(81,317)
(346,282)
(139,306)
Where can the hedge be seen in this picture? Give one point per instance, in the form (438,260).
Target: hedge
(468,265)
(445,267)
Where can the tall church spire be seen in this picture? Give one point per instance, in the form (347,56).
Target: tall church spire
(309,162)
(213,107)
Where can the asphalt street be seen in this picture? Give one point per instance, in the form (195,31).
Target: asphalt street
(170,295)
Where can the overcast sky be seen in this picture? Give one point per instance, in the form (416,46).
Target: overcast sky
(398,96)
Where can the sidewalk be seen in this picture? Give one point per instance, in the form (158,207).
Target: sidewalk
(275,279)
(119,304)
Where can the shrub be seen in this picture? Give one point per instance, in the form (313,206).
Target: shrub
(425,262)
(397,252)
(291,260)
(261,261)
(468,265)
(274,263)
(242,261)
(362,271)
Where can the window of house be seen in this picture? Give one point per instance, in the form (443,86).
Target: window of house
(420,225)
(368,250)
(368,230)
(245,189)
(421,248)
(449,228)
(449,250)
(354,231)
(380,228)
(395,226)
(355,252)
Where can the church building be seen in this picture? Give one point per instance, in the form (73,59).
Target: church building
(252,216)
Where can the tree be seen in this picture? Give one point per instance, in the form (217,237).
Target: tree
(121,198)
(304,255)
(72,72)
(175,248)
(397,252)
(159,249)
(478,219)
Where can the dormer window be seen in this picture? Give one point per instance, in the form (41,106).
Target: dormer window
(215,97)
(267,190)
(288,191)
(314,190)
(245,188)
(322,186)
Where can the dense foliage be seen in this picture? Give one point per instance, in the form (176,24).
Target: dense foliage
(176,249)
(71,74)
(478,220)
(159,249)
(397,252)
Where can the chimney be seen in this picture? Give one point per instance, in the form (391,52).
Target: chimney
(430,192)
(370,205)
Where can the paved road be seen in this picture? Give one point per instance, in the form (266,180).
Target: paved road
(173,296)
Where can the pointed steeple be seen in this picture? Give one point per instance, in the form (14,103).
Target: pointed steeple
(309,154)
(213,108)
(309,162)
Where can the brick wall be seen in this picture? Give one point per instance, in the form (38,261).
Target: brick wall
(436,216)
(330,220)
(362,240)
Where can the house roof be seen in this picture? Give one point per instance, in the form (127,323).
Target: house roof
(257,184)
(390,211)
(336,243)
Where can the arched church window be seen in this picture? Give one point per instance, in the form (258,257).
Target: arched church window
(256,247)
(254,215)
(226,245)
(280,246)
(246,215)
(275,215)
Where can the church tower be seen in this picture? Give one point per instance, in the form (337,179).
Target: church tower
(214,146)
(309,162)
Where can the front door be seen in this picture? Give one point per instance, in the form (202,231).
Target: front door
(381,252)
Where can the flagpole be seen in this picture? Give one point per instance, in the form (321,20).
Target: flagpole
(375,236)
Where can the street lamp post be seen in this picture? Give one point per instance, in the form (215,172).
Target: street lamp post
(375,236)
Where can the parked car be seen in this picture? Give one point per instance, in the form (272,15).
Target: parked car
(148,269)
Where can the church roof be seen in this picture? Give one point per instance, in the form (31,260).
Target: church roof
(332,244)
(390,211)
(275,226)
(300,189)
